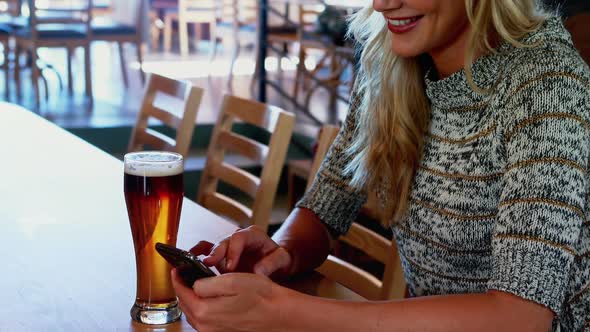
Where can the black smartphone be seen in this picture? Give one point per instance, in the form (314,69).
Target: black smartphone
(189,267)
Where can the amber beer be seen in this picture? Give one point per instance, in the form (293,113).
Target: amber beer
(153,192)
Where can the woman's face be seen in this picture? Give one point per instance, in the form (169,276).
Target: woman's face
(423,26)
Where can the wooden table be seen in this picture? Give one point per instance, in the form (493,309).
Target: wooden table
(67,252)
(66,246)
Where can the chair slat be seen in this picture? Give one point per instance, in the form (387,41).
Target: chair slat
(167,118)
(238,178)
(369,242)
(227,207)
(326,139)
(351,277)
(245,110)
(179,89)
(243,145)
(156,140)
(161,102)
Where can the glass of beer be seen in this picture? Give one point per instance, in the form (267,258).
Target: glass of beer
(153,193)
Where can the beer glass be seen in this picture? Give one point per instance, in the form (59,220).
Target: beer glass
(153,193)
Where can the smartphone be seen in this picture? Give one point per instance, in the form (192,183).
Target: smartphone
(188,266)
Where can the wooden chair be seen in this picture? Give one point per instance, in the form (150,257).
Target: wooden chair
(392,286)
(272,156)
(304,168)
(6,30)
(241,30)
(5,33)
(338,81)
(174,103)
(309,41)
(106,29)
(102,8)
(190,11)
(157,8)
(237,27)
(67,28)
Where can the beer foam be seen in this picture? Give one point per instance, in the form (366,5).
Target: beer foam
(154,164)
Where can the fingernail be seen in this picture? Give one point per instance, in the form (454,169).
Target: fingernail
(228,264)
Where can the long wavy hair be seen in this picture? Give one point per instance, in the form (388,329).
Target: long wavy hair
(393,112)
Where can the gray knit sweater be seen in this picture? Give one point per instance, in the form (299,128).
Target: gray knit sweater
(500,199)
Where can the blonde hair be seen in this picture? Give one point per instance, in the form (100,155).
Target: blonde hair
(393,110)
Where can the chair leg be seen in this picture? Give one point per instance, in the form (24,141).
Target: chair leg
(154,30)
(299,72)
(139,48)
(35,76)
(123,64)
(213,41)
(17,81)
(198,34)
(290,188)
(280,68)
(183,35)
(6,67)
(70,55)
(167,33)
(234,58)
(254,80)
(88,70)
(45,85)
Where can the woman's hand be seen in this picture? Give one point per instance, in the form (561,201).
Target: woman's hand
(232,302)
(247,250)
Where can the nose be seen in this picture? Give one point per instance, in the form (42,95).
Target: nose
(387,5)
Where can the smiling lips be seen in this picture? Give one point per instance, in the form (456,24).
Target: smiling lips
(402,24)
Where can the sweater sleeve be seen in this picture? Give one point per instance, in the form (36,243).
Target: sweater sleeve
(330,196)
(542,205)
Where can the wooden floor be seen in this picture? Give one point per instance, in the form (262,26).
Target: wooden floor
(115,105)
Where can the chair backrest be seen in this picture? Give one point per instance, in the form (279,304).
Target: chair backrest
(261,189)
(130,12)
(175,104)
(308,15)
(77,12)
(247,11)
(392,286)
(237,12)
(204,11)
(327,136)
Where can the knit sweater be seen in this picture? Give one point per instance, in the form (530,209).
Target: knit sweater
(499,201)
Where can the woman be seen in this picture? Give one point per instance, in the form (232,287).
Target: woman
(471,121)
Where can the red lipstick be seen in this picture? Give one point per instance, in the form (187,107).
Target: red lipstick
(401,25)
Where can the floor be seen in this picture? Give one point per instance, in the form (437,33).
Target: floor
(116,105)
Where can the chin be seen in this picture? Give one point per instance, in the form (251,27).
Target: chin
(406,52)
(405,49)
